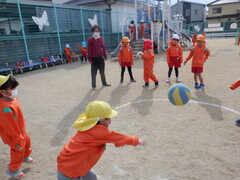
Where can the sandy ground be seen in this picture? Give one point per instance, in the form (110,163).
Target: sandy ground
(192,142)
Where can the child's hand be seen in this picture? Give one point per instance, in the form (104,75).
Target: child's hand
(142,142)
(139,54)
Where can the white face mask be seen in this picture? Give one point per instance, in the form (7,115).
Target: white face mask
(96,34)
(14,93)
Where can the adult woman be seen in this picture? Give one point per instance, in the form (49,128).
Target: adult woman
(97,56)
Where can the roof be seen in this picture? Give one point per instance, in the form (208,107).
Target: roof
(219,2)
(189,2)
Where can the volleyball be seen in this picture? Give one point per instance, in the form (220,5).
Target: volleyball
(179,94)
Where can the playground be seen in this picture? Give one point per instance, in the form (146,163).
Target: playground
(196,141)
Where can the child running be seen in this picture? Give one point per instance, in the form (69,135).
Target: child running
(200,54)
(148,63)
(174,58)
(12,127)
(83,48)
(125,58)
(83,151)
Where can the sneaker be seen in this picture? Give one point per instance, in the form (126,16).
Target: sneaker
(146,85)
(178,79)
(28,160)
(156,84)
(133,80)
(168,80)
(15,174)
(201,86)
(196,85)
(238,122)
(107,84)
(121,81)
(94,87)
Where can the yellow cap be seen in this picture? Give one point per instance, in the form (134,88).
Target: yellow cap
(125,39)
(4,79)
(94,111)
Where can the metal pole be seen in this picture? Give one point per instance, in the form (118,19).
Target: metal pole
(58,34)
(136,20)
(83,30)
(117,27)
(169,18)
(163,25)
(102,23)
(23,31)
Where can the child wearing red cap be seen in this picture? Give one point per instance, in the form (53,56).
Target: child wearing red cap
(12,127)
(200,54)
(194,39)
(148,63)
(83,151)
(174,57)
(125,59)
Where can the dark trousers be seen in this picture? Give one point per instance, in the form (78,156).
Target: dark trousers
(129,71)
(98,64)
(84,57)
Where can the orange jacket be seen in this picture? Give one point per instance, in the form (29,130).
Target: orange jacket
(142,30)
(84,50)
(235,85)
(174,51)
(85,149)
(132,29)
(148,59)
(125,54)
(12,123)
(199,54)
(68,52)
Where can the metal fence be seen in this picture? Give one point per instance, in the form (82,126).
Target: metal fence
(31,31)
(227,27)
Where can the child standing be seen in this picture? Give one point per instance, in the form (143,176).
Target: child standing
(83,151)
(234,86)
(132,29)
(194,39)
(125,58)
(142,29)
(68,53)
(148,63)
(174,58)
(200,54)
(12,127)
(83,48)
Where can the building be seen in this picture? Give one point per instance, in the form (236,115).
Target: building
(191,12)
(223,10)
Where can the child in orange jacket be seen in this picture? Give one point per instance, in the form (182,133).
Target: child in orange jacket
(234,86)
(125,58)
(12,127)
(142,29)
(83,151)
(148,63)
(200,54)
(174,57)
(132,29)
(68,53)
(83,48)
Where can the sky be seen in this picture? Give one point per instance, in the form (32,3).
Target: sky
(197,1)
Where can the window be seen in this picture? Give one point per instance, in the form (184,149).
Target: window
(187,12)
(217,10)
(195,11)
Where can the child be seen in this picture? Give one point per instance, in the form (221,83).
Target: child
(234,86)
(83,48)
(83,151)
(200,54)
(194,39)
(132,29)
(142,29)
(148,63)
(12,127)
(125,58)
(68,53)
(174,57)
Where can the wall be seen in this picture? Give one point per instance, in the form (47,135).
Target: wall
(226,9)
(200,13)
